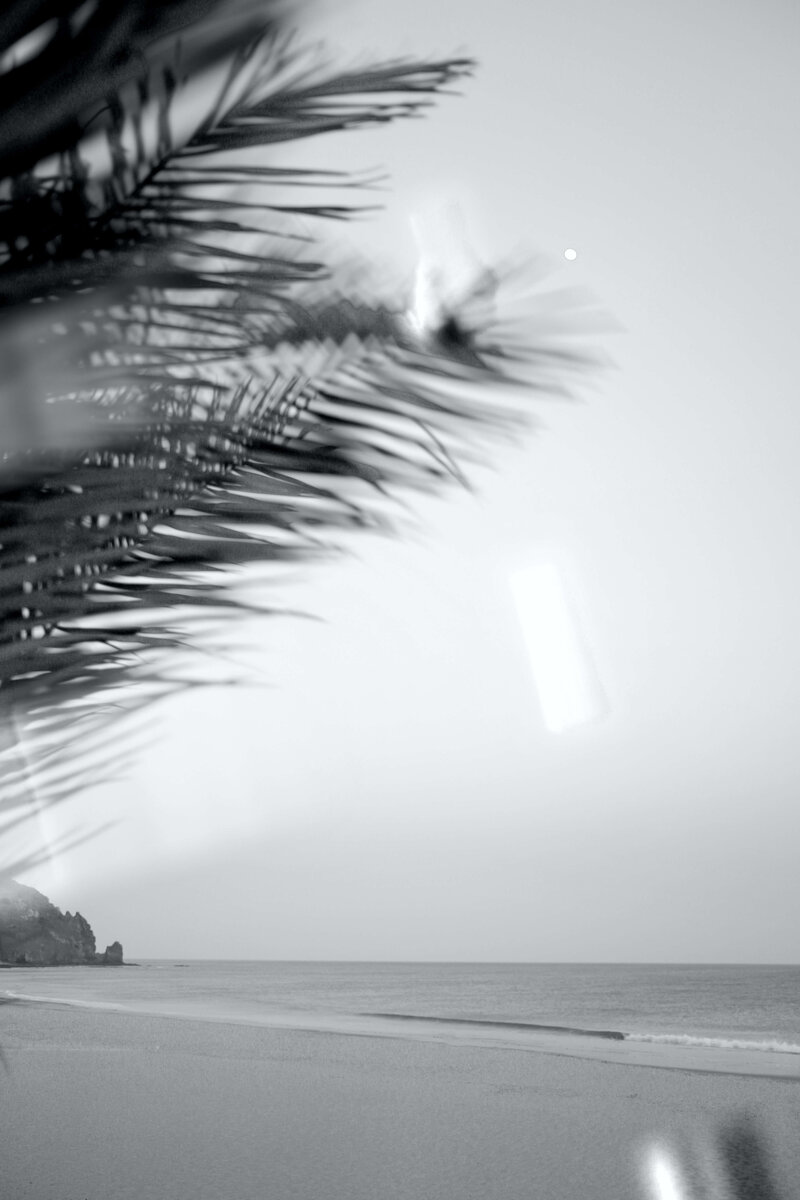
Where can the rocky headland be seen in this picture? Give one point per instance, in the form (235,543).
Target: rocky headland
(34,933)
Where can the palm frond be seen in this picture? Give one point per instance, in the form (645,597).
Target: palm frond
(188,392)
(68,62)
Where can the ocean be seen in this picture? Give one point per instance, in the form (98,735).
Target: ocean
(714,1007)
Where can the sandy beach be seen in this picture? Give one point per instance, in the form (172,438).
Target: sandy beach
(101,1105)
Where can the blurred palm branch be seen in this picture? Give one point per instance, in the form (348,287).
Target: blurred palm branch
(188,386)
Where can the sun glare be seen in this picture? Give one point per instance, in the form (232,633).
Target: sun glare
(562,671)
(426,305)
(571,254)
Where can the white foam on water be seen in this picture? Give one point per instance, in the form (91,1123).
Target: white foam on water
(715,1043)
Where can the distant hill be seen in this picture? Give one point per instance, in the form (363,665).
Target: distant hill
(34,933)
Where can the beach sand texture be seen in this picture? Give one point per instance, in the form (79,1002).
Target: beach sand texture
(100,1105)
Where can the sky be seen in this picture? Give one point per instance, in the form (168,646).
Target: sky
(418,777)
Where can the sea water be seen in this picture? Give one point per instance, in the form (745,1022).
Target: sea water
(750,1008)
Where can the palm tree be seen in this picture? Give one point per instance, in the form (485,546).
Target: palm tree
(187,387)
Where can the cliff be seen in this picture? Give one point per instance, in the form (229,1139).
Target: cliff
(33,932)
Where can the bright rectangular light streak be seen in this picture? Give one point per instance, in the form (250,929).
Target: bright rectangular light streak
(564,675)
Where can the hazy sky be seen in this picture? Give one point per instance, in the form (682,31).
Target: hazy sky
(396,792)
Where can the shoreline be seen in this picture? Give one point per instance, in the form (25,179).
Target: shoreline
(555,1041)
(115,1105)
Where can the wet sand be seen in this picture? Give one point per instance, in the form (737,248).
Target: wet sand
(98,1105)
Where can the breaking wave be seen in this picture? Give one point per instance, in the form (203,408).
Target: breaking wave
(715,1043)
(772,1046)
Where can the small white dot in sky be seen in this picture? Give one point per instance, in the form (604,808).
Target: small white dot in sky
(570,254)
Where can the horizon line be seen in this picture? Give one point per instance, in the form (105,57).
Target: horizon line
(496,962)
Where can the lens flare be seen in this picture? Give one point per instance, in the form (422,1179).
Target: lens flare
(663,1177)
(565,678)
